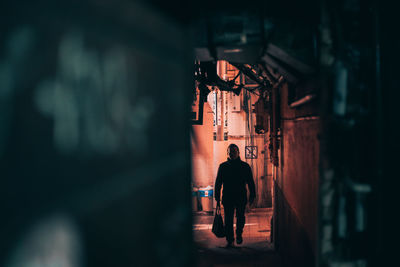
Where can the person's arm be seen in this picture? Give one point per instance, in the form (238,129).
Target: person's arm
(218,185)
(250,184)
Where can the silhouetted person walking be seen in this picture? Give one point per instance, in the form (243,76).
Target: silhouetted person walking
(234,174)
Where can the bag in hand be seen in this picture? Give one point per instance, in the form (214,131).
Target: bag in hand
(218,227)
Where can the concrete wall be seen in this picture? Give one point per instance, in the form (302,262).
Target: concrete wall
(202,150)
(297,181)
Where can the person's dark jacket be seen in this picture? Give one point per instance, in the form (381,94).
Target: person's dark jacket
(234,175)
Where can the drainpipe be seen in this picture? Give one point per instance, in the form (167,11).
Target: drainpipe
(274,135)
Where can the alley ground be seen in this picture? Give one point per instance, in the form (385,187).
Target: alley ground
(256,249)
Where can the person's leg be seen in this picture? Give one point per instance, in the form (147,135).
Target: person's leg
(229,210)
(240,221)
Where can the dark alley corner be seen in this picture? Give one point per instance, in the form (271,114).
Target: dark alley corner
(116,115)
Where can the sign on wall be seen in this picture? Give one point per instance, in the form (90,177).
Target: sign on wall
(251,152)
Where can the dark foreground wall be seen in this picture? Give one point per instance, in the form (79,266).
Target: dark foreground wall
(296,187)
(93,108)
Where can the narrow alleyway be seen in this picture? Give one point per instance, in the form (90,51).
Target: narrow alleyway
(116,116)
(256,250)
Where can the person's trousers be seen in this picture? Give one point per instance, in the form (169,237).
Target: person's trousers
(229,209)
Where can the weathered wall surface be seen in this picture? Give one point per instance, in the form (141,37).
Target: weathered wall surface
(300,171)
(202,150)
(297,186)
